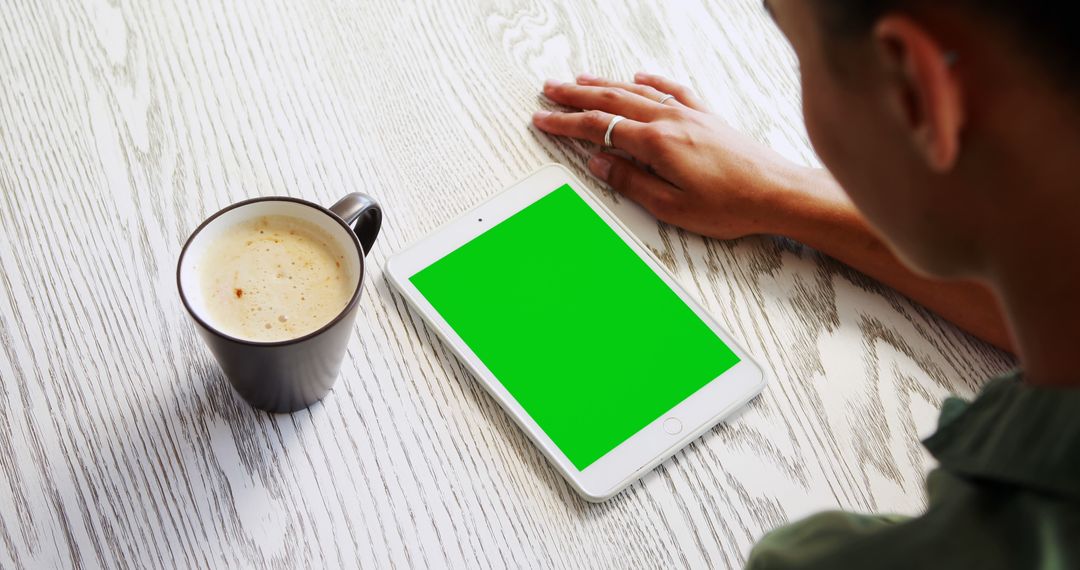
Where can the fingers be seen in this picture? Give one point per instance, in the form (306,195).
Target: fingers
(607,99)
(652,192)
(665,85)
(628,135)
(645,91)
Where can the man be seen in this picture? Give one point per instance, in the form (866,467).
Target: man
(953,129)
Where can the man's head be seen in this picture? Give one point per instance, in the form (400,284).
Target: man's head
(928,111)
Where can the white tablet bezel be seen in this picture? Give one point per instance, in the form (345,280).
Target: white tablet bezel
(648,447)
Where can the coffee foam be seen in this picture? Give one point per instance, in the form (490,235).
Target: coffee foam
(273,278)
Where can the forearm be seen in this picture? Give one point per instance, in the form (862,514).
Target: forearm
(824,219)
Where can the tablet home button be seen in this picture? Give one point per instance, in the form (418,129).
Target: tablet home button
(672,426)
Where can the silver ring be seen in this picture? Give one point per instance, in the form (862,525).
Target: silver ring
(610,127)
(664,99)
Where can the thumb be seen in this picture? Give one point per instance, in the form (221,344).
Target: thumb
(653,193)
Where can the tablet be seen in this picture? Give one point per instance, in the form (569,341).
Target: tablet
(576,330)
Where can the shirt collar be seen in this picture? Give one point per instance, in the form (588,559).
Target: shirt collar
(1013,433)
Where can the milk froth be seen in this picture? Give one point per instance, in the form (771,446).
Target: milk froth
(274,278)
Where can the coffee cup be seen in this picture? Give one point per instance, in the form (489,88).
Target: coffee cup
(273,286)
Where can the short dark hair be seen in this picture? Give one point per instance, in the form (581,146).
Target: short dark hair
(1046,27)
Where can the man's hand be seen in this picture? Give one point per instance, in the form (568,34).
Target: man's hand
(692,170)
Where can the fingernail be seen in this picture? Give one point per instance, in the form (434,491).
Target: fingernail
(541,115)
(548,84)
(587,77)
(600,166)
(640,75)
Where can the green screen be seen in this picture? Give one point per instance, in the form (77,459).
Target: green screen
(584,335)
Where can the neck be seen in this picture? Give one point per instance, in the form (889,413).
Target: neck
(1043,309)
(1034,261)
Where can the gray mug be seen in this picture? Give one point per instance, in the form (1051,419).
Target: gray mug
(287,375)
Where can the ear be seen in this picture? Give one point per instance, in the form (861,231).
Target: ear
(924,88)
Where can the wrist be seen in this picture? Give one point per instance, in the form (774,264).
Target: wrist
(808,204)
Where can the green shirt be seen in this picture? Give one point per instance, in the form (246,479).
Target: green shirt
(1006,495)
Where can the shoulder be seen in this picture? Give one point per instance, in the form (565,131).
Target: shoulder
(967,525)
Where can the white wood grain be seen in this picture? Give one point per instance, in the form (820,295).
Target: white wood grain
(123,124)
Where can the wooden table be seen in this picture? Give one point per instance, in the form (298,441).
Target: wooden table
(124,123)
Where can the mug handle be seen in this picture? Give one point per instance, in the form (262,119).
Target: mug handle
(362,213)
